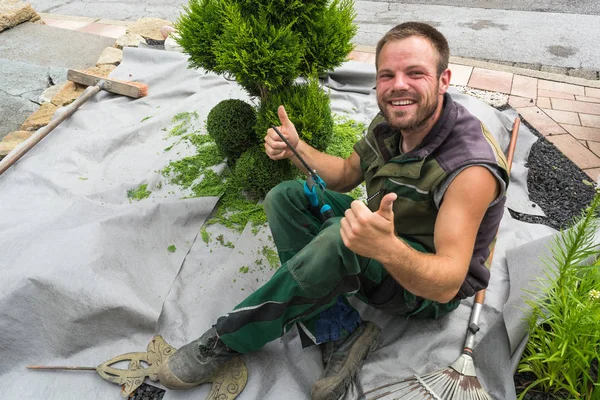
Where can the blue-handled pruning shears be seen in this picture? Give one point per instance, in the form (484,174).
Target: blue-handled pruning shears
(310,185)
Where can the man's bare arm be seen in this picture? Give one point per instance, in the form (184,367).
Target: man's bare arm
(433,276)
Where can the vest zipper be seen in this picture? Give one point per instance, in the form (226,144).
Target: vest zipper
(380,191)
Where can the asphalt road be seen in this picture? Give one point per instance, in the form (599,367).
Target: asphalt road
(547,32)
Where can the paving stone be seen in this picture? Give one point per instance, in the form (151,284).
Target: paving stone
(39,118)
(15,12)
(112,31)
(12,140)
(543,102)
(48,94)
(576,106)
(540,121)
(583,73)
(129,40)
(487,79)
(524,86)
(67,94)
(66,23)
(592,92)
(587,99)
(110,56)
(553,69)
(583,132)
(563,117)
(575,151)
(593,121)
(593,173)
(553,94)
(517,102)
(594,147)
(460,74)
(149,28)
(561,87)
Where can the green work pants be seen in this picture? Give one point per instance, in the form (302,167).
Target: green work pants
(317,273)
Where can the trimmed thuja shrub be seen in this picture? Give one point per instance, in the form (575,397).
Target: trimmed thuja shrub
(265,45)
(231,125)
(307,106)
(564,329)
(257,173)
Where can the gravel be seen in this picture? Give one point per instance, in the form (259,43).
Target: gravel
(556,184)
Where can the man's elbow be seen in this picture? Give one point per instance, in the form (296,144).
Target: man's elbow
(447,295)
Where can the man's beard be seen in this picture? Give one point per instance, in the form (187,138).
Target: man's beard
(424,113)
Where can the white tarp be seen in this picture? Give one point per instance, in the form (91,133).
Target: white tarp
(86,274)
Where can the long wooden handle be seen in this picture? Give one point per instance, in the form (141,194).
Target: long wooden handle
(480,296)
(14,156)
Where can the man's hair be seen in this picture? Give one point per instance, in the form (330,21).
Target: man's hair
(408,29)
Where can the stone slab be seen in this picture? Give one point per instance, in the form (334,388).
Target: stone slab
(30,54)
(45,45)
(575,151)
(540,121)
(15,12)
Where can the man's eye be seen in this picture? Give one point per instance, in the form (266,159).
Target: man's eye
(416,73)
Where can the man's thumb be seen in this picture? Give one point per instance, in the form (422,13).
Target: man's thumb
(283,117)
(386,207)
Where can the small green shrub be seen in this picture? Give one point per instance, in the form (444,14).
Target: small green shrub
(307,106)
(257,173)
(564,328)
(231,124)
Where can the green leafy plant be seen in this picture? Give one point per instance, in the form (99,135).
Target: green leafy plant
(564,328)
(231,125)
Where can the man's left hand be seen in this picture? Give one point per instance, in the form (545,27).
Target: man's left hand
(369,233)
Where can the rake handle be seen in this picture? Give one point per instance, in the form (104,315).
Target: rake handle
(480,296)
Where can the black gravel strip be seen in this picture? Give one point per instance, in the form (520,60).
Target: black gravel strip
(556,184)
(147,392)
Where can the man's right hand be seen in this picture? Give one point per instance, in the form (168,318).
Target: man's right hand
(275,147)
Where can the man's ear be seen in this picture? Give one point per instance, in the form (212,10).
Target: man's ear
(445,80)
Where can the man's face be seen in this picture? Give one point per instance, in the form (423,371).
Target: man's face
(408,88)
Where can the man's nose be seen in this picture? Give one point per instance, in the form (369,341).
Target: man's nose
(400,82)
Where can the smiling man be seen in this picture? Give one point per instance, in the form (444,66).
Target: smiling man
(436,182)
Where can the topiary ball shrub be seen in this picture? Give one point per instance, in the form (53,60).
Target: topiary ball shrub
(307,106)
(231,124)
(256,173)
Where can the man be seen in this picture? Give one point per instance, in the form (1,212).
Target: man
(435,182)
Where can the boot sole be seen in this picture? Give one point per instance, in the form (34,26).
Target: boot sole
(333,387)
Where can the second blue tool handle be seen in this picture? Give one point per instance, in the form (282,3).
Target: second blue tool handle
(326,211)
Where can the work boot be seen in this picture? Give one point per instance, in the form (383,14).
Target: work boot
(343,359)
(196,362)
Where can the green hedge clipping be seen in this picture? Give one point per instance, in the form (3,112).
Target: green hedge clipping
(231,124)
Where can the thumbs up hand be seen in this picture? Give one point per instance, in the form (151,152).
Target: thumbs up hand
(275,147)
(369,233)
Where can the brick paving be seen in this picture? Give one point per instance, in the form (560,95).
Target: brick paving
(567,114)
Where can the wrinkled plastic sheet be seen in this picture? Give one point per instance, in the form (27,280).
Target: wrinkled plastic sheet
(86,274)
